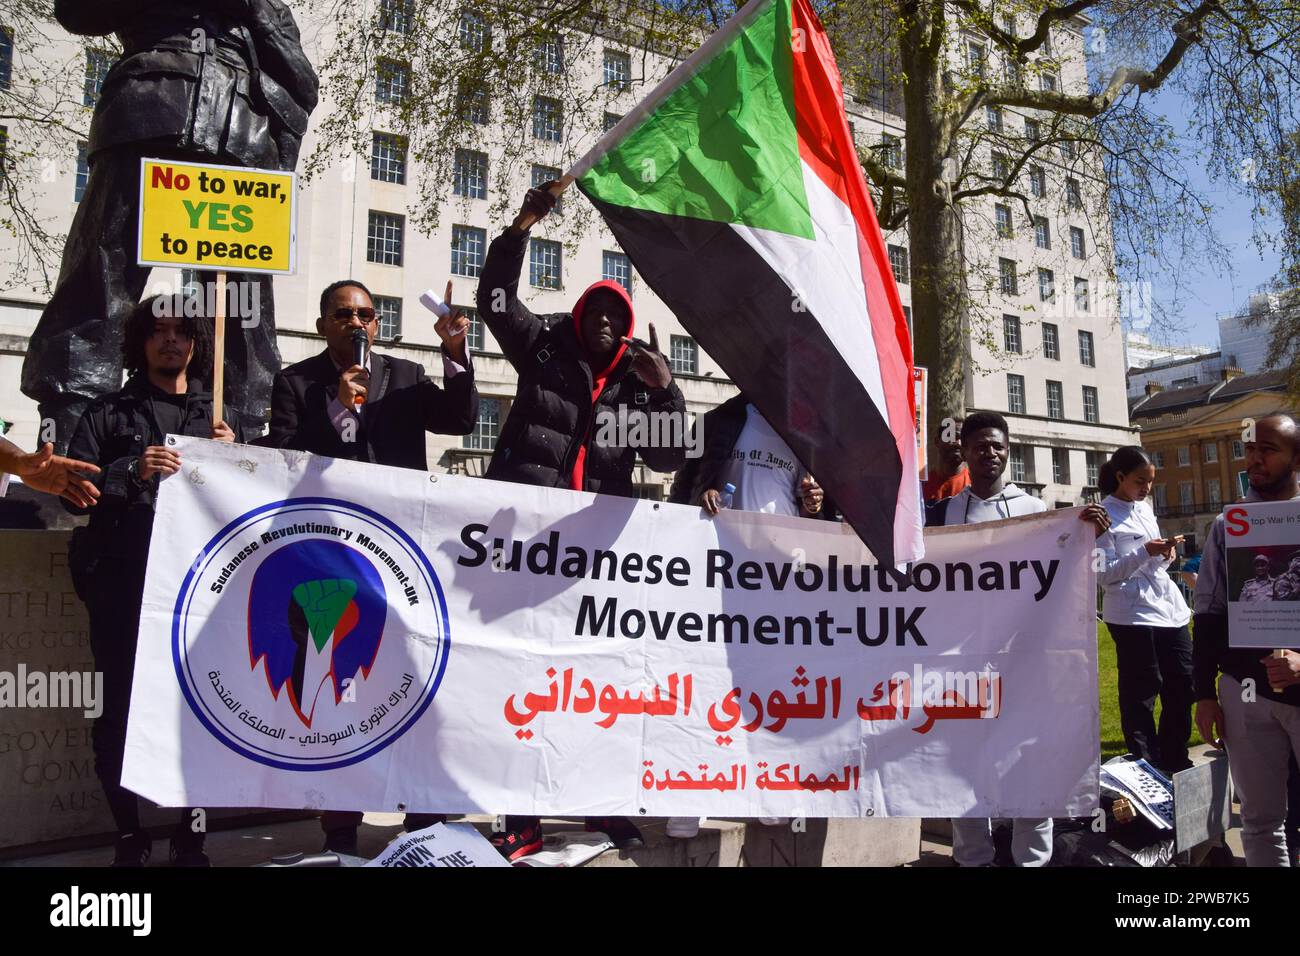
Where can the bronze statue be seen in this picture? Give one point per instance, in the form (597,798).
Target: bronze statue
(217,81)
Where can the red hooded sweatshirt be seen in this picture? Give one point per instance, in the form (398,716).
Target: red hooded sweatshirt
(598,376)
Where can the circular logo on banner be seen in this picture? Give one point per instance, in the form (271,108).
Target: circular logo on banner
(310,634)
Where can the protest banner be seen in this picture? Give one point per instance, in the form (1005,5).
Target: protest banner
(441,846)
(321,633)
(217,218)
(1262,543)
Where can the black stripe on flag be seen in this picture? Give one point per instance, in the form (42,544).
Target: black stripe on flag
(743,315)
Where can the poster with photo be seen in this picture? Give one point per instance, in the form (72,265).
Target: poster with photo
(1263,562)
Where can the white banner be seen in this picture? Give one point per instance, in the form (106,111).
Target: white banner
(324,634)
(441,846)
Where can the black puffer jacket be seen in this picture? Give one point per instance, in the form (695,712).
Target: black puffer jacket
(552,415)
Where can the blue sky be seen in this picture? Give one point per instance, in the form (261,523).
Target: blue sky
(1205,293)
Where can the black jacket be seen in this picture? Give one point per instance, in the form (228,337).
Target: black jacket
(404,403)
(552,415)
(113,431)
(227,78)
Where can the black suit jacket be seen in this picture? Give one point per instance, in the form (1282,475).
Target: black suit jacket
(404,403)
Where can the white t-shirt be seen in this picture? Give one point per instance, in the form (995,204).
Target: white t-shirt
(764,470)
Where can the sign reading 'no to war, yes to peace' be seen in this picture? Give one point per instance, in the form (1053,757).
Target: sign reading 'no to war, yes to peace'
(217,217)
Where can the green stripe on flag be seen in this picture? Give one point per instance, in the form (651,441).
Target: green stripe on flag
(722,146)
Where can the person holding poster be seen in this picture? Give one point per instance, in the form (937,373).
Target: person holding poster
(1146,615)
(1254,713)
(124,434)
(986,446)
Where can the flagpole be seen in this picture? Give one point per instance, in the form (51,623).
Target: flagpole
(680,74)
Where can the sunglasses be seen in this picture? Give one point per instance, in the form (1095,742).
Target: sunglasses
(345,315)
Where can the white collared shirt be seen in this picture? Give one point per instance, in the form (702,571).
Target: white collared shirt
(1137,587)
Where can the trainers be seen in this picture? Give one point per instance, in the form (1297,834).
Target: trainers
(132,849)
(520,838)
(683,828)
(343,840)
(187,853)
(620,830)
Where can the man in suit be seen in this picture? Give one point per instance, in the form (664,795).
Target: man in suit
(314,408)
(314,402)
(206,81)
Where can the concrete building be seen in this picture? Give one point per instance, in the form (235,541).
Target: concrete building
(1054,361)
(1194,435)
(1244,337)
(1168,366)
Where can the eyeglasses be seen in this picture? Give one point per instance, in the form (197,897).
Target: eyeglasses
(345,315)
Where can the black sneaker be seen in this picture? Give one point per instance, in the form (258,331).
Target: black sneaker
(522,837)
(187,852)
(132,849)
(422,821)
(620,830)
(342,840)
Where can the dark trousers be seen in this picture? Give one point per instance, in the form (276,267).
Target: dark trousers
(1155,661)
(75,353)
(113,591)
(1293,812)
(331,821)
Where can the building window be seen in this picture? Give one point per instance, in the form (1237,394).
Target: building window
(474,335)
(1185,496)
(1061,466)
(615,267)
(1238,451)
(684,355)
(1213,493)
(1161,493)
(1016,463)
(1037,181)
(1042,233)
(1016,394)
(544,263)
(1006,227)
(473,100)
(1007,277)
(475,33)
(548,174)
(907,314)
(1001,166)
(1067,149)
(469,174)
(891,151)
(547,122)
(1158,459)
(1211,450)
(1090,405)
(1055,400)
(6,57)
(1087,357)
(1077,248)
(1081,294)
(1011,333)
(611,120)
(1048,82)
(388,158)
(899,264)
(388,309)
(1184,456)
(467,244)
(1033,130)
(487,427)
(1092,465)
(993,115)
(550,54)
(97,64)
(83,173)
(1046,285)
(384,238)
(975,57)
(397,15)
(618,70)
(392,80)
(1073,195)
(1051,341)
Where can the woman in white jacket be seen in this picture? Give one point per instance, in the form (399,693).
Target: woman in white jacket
(1146,615)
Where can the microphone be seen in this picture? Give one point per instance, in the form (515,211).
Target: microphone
(360,346)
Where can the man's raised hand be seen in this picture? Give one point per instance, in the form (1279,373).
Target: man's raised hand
(451,329)
(648,362)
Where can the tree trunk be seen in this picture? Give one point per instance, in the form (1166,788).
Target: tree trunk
(940,299)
